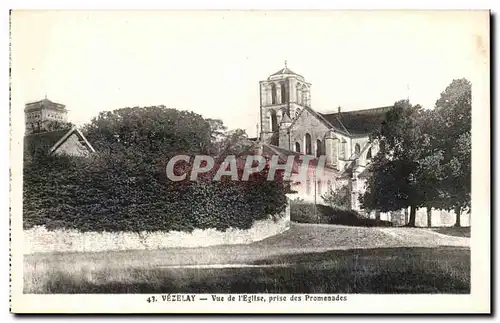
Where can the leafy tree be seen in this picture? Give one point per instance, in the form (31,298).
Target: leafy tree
(340,197)
(453,121)
(217,128)
(148,135)
(403,169)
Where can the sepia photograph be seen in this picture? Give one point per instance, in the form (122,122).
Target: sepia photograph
(261,158)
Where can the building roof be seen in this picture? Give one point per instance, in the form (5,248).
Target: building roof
(48,142)
(285,70)
(360,122)
(283,154)
(45,103)
(42,142)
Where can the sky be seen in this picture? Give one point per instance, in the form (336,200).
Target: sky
(211,62)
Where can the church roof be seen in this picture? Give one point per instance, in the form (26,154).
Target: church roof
(42,142)
(285,70)
(360,122)
(44,103)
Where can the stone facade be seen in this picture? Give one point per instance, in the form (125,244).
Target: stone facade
(41,114)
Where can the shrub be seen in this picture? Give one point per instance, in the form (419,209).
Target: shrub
(305,213)
(340,198)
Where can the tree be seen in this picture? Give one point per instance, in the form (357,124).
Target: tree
(218,130)
(402,171)
(340,198)
(149,134)
(453,115)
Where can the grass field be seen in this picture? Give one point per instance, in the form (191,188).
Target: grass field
(364,260)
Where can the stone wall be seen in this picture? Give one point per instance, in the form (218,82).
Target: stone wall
(439,218)
(39,239)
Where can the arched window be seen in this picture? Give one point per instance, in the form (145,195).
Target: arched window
(369,153)
(297,147)
(274,121)
(273,94)
(319,187)
(308,144)
(319,147)
(284,98)
(357,149)
(297,112)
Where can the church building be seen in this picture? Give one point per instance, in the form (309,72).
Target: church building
(288,121)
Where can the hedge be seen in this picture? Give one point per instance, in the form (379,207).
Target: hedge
(305,213)
(103,193)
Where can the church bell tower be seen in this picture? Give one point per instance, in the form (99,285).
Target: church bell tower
(282,93)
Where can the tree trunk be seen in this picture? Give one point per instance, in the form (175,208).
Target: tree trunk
(429,217)
(413,216)
(458,209)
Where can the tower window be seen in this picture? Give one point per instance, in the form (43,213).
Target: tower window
(284,97)
(308,144)
(357,150)
(369,154)
(274,121)
(319,147)
(273,94)
(297,147)
(297,112)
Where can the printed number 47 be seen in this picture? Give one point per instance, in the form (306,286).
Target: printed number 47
(151,299)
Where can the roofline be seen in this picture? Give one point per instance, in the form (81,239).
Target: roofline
(63,139)
(39,101)
(363,110)
(320,117)
(286,78)
(295,154)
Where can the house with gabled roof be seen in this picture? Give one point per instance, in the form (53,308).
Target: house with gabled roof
(48,132)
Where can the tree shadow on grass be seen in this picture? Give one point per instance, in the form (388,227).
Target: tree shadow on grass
(388,270)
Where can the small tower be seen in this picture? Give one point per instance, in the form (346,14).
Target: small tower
(41,114)
(286,91)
